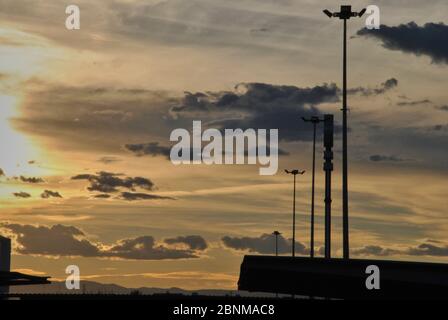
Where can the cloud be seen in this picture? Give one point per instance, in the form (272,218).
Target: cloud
(107,182)
(193,242)
(154,149)
(267,106)
(133,196)
(384,158)
(414,103)
(48,194)
(30,179)
(374,251)
(429,39)
(145,248)
(421,143)
(108,159)
(264,244)
(443,108)
(90,117)
(60,240)
(22,194)
(55,240)
(440,127)
(151,148)
(102,196)
(259,105)
(259,96)
(428,247)
(85,119)
(381,89)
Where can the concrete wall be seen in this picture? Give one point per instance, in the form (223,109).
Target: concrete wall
(5,259)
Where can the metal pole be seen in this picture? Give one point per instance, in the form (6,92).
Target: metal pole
(328,167)
(328,214)
(276,245)
(294,220)
(312,193)
(344,151)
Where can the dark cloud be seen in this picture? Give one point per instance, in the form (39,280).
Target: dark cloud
(133,196)
(429,39)
(193,242)
(48,194)
(154,149)
(440,127)
(267,106)
(259,96)
(381,89)
(30,179)
(108,159)
(107,182)
(21,195)
(443,108)
(264,244)
(384,158)
(60,240)
(145,248)
(151,148)
(260,105)
(374,251)
(102,196)
(55,240)
(427,248)
(414,103)
(102,119)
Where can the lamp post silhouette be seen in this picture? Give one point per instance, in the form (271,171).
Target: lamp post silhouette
(315,121)
(276,234)
(294,172)
(345,14)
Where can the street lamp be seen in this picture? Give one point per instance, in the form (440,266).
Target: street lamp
(294,172)
(315,121)
(345,14)
(276,234)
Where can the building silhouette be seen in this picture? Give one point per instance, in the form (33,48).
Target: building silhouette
(5,260)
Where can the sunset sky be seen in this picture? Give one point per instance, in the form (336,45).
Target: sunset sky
(86,116)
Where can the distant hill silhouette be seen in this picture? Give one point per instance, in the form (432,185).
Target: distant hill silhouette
(91,287)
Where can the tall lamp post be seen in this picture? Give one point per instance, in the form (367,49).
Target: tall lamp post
(345,14)
(315,121)
(276,234)
(294,172)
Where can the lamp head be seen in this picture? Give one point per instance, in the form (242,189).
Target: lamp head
(328,13)
(361,13)
(346,12)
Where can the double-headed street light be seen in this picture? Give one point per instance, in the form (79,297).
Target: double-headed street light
(315,121)
(345,14)
(294,172)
